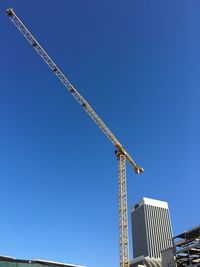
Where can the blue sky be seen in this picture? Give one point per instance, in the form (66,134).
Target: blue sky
(138,65)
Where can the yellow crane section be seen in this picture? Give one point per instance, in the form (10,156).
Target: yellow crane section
(120,151)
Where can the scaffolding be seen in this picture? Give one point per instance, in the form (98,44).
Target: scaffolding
(187,248)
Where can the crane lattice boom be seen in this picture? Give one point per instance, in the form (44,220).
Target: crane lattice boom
(121,152)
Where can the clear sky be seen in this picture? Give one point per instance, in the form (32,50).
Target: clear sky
(138,64)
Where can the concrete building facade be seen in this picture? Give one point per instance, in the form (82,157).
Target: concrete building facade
(151,228)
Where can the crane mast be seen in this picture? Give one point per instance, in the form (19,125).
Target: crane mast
(123,218)
(120,151)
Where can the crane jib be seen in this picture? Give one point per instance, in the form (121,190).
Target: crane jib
(121,153)
(42,53)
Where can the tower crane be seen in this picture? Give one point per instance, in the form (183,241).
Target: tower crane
(120,151)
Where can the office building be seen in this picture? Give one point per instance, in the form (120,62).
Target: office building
(151,228)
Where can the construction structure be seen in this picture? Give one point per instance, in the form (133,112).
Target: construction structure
(186,247)
(120,152)
(12,262)
(143,261)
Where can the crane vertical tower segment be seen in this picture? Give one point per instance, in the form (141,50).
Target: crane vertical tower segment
(123,219)
(121,152)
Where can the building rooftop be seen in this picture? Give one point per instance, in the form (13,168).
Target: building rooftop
(150,202)
(191,233)
(13,262)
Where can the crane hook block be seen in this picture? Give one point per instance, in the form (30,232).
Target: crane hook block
(9,12)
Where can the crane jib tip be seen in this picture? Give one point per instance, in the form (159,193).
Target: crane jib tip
(9,12)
